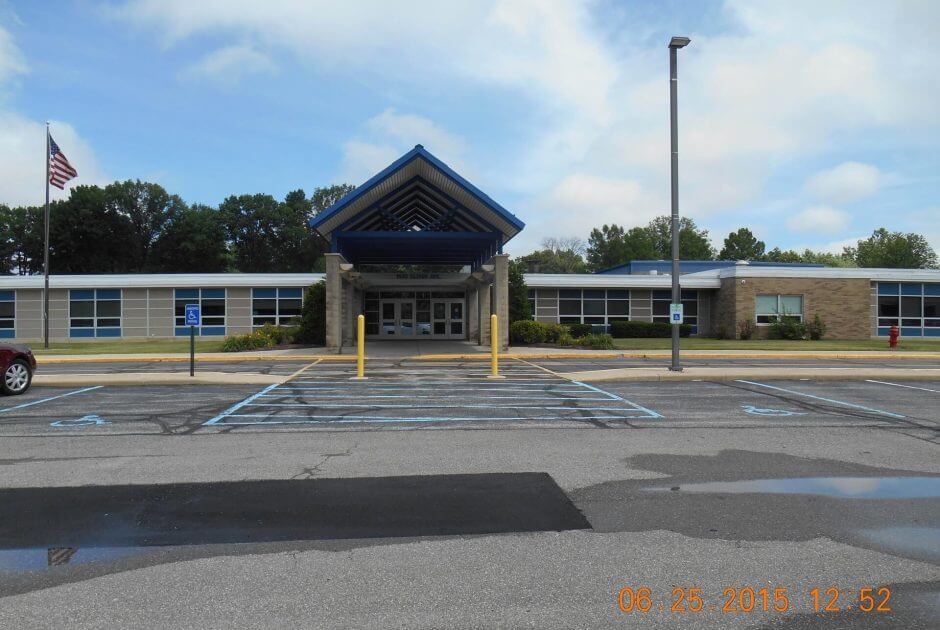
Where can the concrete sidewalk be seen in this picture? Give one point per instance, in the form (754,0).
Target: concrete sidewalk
(469,352)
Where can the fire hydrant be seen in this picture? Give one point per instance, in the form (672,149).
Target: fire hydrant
(893,335)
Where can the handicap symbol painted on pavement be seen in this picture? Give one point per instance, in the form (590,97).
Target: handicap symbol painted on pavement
(757,411)
(84,421)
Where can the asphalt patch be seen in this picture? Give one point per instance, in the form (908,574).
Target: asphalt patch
(281,510)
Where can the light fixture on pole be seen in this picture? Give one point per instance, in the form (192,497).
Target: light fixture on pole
(675,44)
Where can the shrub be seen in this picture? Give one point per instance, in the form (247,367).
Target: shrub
(527,331)
(565,339)
(579,330)
(554,332)
(787,327)
(312,326)
(636,330)
(601,341)
(719,332)
(745,329)
(816,328)
(268,336)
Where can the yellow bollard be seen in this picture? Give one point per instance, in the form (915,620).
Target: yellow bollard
(361,347)
(494,347)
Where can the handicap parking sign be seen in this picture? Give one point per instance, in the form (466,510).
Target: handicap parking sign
(192,314)
(675,313)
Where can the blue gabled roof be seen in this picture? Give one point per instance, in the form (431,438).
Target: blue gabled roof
(418,152)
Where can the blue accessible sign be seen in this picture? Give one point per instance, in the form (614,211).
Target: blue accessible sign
(192,315)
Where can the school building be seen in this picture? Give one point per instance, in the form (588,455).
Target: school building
(420,215)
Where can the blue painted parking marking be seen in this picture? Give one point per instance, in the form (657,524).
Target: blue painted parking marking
(238,406)
(84,421)
(829,400)
(44,400)
(923,389)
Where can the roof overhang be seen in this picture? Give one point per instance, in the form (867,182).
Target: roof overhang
(418,203)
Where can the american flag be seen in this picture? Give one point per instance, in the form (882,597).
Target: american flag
(60,171)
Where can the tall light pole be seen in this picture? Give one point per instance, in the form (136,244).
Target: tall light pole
(675,44)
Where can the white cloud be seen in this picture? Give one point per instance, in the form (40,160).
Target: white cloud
(23,144)
(785,82)
(819,220)
(230,64)
(385,137)
(849,181)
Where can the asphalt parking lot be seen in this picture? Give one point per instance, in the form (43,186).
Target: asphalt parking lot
(431,496)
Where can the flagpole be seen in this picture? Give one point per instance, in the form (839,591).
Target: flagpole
(45,264)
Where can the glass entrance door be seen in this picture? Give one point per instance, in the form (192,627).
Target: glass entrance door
(398,318)
(409,314)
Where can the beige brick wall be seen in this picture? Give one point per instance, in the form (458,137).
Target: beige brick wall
(843,304)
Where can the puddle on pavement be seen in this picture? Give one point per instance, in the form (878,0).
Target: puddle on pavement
(838,487)
(99,524)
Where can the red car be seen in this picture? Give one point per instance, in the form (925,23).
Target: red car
(17,365)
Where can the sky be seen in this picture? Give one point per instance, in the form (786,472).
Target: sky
(811,123)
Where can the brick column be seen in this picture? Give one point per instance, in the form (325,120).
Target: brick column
(473,312)
(501,296)
(484,302)
(334,302)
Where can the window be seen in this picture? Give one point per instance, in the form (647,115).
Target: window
(7,314)
(689,300)
(913,306)
(769,307)
(275,306)
(211,307)
(95,313)
(532,302)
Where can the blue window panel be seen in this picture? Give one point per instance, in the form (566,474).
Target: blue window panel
(909,288)
(911,332)
(6,296)
(181,331)
(109,294)
(81,294)
(213,331)
(931,289)
(884,331)
(187,294)
(932,332)
(9,333)
(689,295)
(264,293)
(108,332)
(213,293)
(290,293)
(662,295)
(81,332)
(888,288)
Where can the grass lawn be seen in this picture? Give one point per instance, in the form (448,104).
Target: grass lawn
(691,343)
(154,346)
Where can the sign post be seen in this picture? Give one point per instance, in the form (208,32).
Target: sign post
(193,319)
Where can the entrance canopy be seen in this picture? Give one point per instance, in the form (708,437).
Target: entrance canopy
(417,211)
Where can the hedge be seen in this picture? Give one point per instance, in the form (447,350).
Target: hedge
(633,330)
(579,330)
(268,336)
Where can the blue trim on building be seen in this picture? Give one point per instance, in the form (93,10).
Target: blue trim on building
(416,153)
(7,333)
(644,267)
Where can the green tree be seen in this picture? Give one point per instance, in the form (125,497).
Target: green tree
(312,327)
(88,236)
(742,245)
(894,250)
(519,306)
(148,207)
(193,240)
(325,196)
(693,242)
(7,239)
(268,236)
(611,245)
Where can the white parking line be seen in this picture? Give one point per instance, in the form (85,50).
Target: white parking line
(830,400)
(36,402)
(238,406)
(392,419)
(923,389)
(651,413)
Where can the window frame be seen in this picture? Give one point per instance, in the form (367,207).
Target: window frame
(278,299)
(771,317)
(204,329)
(8,332)
(900,292)
(96,330)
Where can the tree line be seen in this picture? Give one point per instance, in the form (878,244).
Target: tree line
(613,245)
(138,227)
